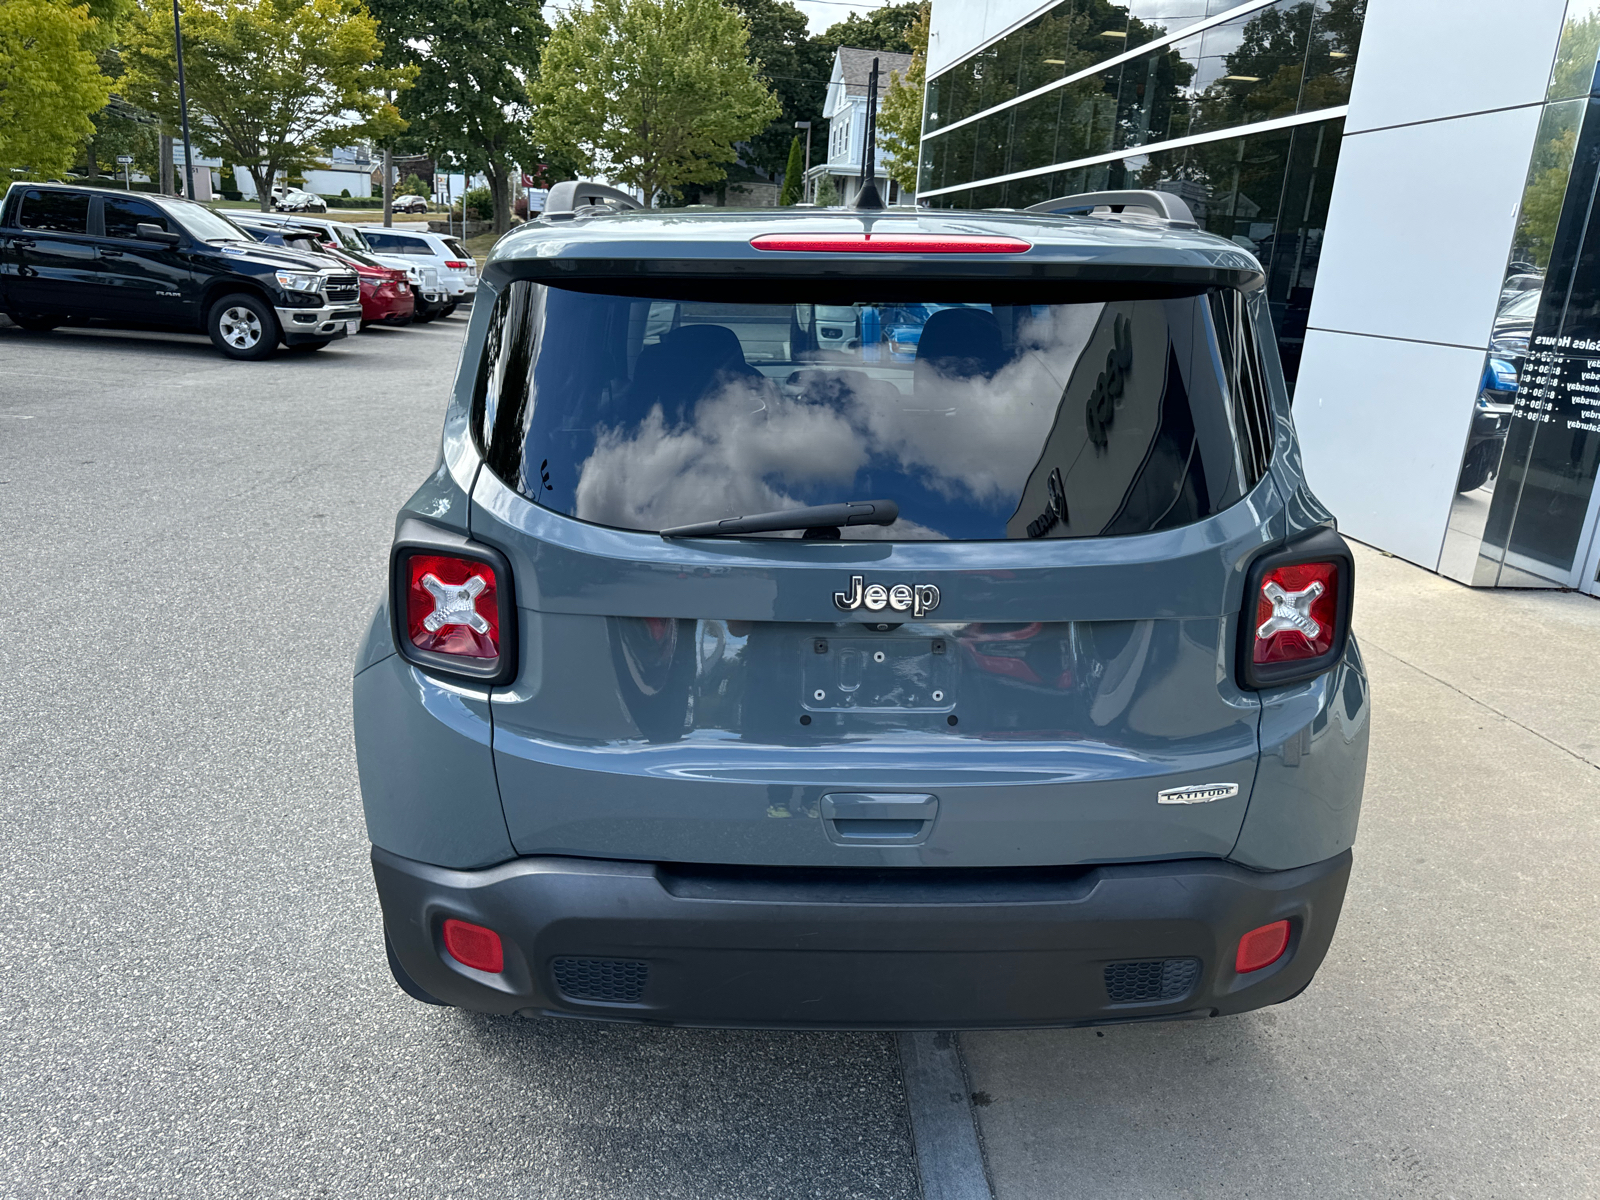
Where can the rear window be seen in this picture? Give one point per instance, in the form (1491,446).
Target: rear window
(456,248)
(55,212)
(389,243)
(981,420)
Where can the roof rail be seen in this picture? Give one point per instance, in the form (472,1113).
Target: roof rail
(568,197)
(1164,204)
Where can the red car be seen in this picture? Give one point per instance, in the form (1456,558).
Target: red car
(386,296)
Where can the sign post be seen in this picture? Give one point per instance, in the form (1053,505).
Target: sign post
(125,161)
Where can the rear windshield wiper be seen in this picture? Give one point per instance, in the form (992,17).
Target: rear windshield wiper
(817,517)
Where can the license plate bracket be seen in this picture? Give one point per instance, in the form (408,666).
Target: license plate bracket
(878,674)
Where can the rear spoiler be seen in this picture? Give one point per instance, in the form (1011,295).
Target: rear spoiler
(1164,205)
(581,197)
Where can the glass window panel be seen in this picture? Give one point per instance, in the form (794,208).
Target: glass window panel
(1331,54)
(1071,37)
(123,217)
(1268,192)
(1574,73)
(1294,56)
(984,418)
(55,212)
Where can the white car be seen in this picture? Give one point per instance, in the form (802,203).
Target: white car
(458,272)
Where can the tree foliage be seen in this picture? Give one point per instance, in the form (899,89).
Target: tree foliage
(900,118)
(49,85)
(827,192)
(652,93)
(795,66)
(793,176)
(475,62)
(885,28)
(270,82)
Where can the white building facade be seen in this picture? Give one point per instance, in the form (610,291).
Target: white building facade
(1415,176)
(845,110)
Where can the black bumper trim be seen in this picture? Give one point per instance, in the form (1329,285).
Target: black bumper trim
(905,949)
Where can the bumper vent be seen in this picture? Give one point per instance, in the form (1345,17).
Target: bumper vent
(617,980)
(1150,982)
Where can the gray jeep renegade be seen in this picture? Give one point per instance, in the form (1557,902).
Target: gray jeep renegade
(877,620)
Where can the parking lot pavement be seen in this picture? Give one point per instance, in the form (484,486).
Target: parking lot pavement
(1450,1045)
(195,999)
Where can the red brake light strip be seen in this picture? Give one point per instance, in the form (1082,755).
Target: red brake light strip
(890,243)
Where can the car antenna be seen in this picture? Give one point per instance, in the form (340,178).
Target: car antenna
(867,196)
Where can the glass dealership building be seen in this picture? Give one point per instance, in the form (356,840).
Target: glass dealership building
(1416,178)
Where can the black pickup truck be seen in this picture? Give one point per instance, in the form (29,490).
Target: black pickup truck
(96,255)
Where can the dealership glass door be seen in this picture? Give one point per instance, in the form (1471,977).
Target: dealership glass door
(1525,512)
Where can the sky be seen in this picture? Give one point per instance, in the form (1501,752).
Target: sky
(822,13)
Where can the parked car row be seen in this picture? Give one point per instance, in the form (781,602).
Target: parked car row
(80,255)
(433,271)
(297,200)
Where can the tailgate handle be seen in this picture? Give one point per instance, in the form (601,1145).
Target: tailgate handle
(878,818)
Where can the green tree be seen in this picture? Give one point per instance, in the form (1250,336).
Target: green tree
(827,192)
(477,205)
(884,29)
(1575,56)
(795,66)
(271,83)
(793,176)
(413,186)
(49,85)
(476,62)
(900,118)
(652,93)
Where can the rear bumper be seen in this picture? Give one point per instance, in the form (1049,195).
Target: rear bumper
(860,949)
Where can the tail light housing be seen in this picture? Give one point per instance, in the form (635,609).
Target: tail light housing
(451,605)
(456,265)
(1295,619)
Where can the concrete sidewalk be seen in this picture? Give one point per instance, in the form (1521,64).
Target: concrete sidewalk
(1450,1045)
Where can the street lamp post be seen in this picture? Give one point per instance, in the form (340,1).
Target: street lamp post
(805,190)
(183,106)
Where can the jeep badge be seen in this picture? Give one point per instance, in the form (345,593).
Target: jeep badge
(917,599)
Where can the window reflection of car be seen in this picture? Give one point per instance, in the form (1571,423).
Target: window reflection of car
(1519,285)
(838,327)
(1497,390)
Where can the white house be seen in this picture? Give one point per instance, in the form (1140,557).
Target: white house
(845,110)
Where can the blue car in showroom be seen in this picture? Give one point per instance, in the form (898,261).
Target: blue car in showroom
(727,674)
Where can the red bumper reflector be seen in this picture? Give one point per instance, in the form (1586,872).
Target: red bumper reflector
(890,243)
(1262,947)
(474,946)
